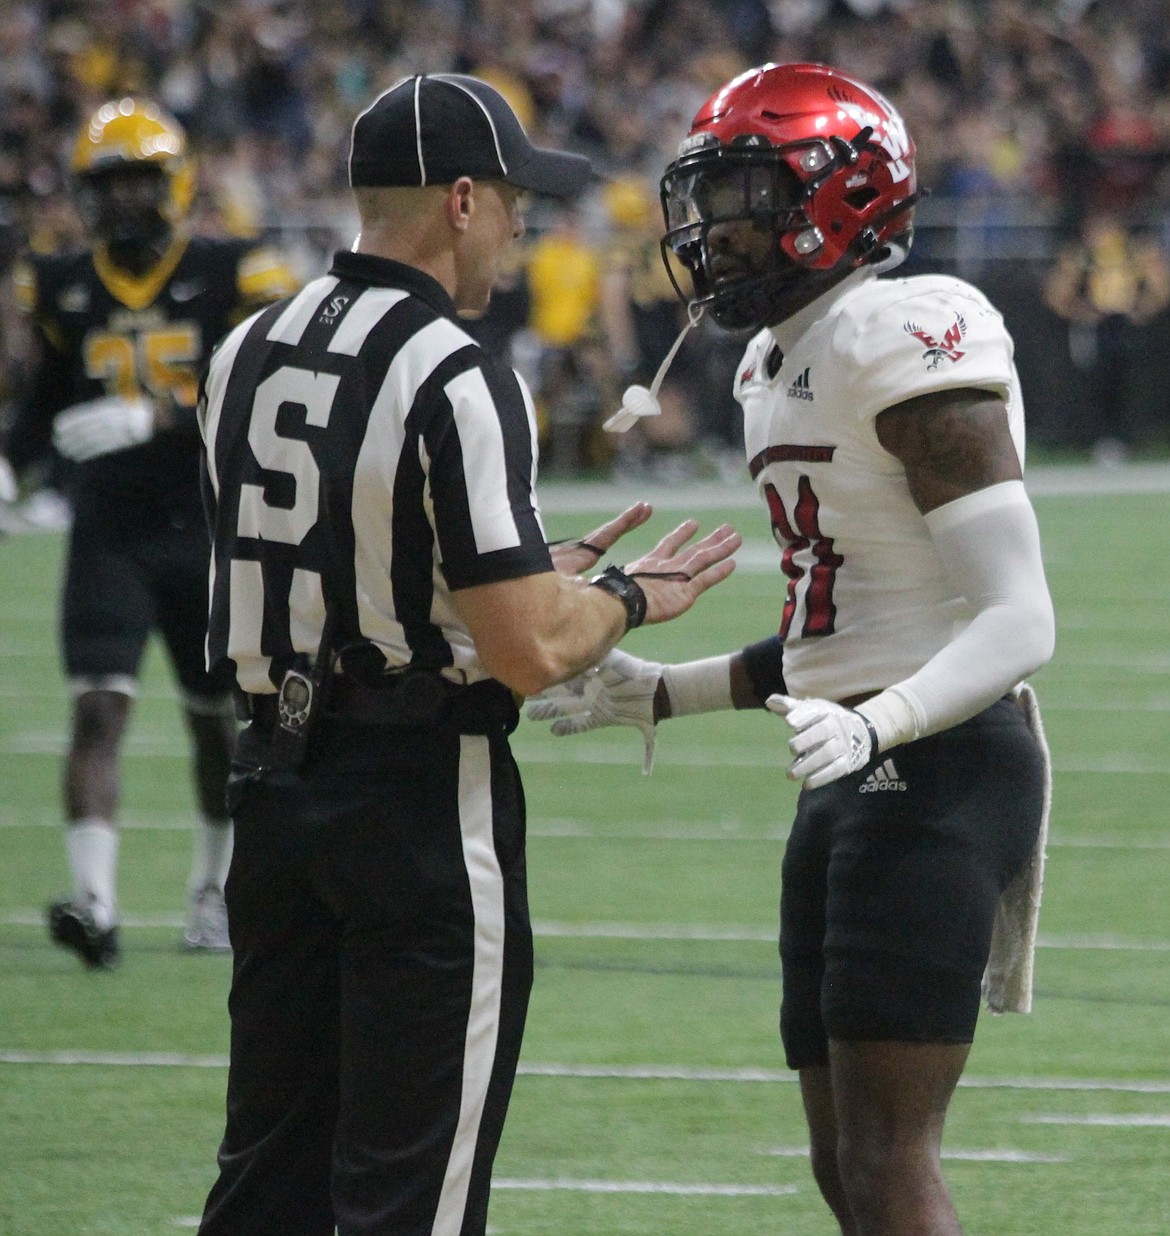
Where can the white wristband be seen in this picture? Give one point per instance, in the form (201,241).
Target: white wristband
(699,686)
(893,718)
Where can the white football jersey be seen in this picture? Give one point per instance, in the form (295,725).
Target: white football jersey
(867,603)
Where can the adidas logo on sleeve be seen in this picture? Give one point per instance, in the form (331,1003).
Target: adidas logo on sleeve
(884,777)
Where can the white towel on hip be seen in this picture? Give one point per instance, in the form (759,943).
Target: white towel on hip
(1007,981)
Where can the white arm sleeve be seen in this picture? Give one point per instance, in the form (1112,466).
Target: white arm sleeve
(699,686)
(989,545)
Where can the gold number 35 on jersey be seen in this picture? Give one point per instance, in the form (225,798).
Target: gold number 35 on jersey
(159,362)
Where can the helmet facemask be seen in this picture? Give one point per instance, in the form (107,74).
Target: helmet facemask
(126,208)
(712,195)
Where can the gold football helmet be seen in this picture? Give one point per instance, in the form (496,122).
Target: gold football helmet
(131,133)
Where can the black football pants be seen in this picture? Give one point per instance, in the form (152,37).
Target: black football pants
(383,961)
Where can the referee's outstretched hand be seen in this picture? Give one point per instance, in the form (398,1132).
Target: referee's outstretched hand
(673,575)
(572,557)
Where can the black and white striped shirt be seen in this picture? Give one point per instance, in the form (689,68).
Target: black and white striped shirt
(361,447)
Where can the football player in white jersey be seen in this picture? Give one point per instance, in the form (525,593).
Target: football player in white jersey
(884,429)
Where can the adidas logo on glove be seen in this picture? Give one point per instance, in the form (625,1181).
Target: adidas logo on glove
(884,777)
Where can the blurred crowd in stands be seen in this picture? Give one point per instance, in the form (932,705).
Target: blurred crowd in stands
(1042,131)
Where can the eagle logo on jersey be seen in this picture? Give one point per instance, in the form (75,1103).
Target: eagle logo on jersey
(948,349)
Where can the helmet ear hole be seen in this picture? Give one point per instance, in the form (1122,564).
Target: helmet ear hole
(859,199)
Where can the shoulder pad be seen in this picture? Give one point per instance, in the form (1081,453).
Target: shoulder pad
(264,276)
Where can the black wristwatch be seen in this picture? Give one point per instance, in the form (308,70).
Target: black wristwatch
(628,591)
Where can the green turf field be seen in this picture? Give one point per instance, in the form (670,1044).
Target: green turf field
(652,1099)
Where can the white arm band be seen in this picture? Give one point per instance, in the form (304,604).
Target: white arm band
(989,546)
(699,686)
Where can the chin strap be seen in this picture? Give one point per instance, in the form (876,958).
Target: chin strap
(638,401)
(865,250)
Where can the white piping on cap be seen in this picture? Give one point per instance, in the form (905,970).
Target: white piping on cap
(422,167)
(445,77)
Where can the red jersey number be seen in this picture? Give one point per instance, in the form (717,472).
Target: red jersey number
(794,536)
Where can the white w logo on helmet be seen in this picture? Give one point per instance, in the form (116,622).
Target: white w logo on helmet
(889,132)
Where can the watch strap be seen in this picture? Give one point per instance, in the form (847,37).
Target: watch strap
(627,590)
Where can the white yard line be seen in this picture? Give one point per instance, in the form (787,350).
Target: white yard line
(1103,943)
(700,932)
(652,931)
(612,1072)
(732,832)
(561,1184)
(564,828)
(114,1059)
(143,743)
(1126,706)
(998,1155)
(9,818)
(690,1073)
(129,922)
(1134,1121)
(583,830)
(649,932)
(1002,1156)
(627,754)
(1109,843)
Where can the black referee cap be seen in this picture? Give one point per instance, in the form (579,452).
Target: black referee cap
(433,128)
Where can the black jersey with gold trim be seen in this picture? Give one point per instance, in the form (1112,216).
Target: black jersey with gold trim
(102,331)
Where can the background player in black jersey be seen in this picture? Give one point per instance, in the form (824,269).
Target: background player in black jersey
(123,329)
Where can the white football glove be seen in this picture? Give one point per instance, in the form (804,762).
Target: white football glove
(9,490)
(829,742)
(101,426)
(619,691)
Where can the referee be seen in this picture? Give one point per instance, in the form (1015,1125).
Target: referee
(382,591)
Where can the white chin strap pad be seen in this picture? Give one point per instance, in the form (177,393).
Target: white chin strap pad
(636,403)
(640,401)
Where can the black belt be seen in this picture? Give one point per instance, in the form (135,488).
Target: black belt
(409,699)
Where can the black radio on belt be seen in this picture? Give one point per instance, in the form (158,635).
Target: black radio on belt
(297,704)
(302,692)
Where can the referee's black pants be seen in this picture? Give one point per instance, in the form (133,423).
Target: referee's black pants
(379,918)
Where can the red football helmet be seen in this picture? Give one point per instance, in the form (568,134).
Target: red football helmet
(811,159)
